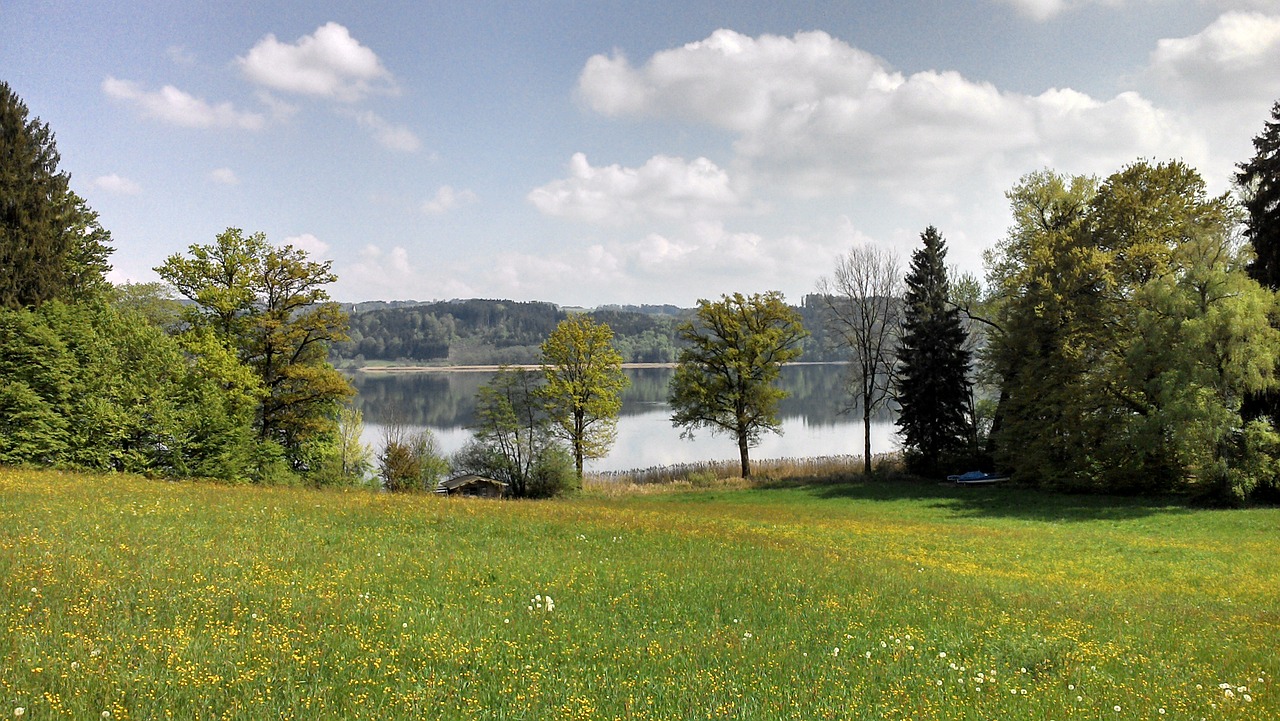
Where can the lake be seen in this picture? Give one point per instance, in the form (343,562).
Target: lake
(812,421)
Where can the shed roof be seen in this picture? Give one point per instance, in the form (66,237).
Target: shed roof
(465,480)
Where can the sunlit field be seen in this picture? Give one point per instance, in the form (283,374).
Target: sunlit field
(131,598)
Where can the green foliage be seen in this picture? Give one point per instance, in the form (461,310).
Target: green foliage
(1131,333)
(51,245)
(411,461)
(513,441)
(584,384)
(88,385)
(725,380)
(1259,183)
(933,388)
(269,304)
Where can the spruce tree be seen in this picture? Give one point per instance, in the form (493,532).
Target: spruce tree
(933,365)
(51,245)
(1259,183)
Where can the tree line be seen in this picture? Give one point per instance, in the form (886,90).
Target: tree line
(496,332)
(232,384)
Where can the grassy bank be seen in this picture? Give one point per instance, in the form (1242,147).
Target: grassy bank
(147,599)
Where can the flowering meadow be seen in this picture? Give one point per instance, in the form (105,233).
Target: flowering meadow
(128,598)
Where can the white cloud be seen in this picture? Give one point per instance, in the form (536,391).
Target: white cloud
(328,63)
(314,247)
(392,274)
(815,116)
(446,199)
(173,106)
(1234,59)
(391,137)
(115,184)
(224,176)
(664,187)
(701,259)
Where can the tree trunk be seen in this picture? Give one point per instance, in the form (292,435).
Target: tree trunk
(742,452)
(866,441)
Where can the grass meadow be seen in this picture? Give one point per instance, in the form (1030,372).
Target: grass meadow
(131,598)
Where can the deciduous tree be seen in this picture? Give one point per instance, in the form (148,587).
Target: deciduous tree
(584,384)
(270,305)
(513,441)
(726,375)
(862,311)
(1132,335)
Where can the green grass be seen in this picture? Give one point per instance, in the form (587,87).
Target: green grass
(148,599)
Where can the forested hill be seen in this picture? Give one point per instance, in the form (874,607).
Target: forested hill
(462,332)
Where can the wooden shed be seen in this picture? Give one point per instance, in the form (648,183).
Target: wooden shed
(473,485)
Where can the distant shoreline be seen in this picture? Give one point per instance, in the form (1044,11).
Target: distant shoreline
(496,368)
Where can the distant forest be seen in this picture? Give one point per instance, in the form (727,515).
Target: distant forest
(491,332)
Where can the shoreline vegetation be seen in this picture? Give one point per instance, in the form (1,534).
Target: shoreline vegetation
(491,368)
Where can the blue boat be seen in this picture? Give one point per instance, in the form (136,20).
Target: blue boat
(976,478)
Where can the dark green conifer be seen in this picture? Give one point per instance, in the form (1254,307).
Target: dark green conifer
(51,245)
(933,387)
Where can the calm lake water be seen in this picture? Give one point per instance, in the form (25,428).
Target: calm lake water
(812,422)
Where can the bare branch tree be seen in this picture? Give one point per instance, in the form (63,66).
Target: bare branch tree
(862,306)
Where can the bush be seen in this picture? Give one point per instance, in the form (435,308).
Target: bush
(411,461)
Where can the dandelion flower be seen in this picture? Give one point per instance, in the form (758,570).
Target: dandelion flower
(942,654)
(1116,708)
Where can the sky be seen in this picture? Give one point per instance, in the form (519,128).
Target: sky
(606,152)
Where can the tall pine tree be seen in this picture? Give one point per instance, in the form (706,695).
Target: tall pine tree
(1259,182)
(51,245)
(933,365)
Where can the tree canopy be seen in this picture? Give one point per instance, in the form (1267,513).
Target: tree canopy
(584,384)
(1131,334)
(725,376)
(270,306)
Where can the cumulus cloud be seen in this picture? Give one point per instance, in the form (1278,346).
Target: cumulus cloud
(446,199)
(224,176)
(173,106)
(664,187)
(819,116)
(389,136)
(379,273)
(312,245)
(116,184)
(1234,59)
(329,63)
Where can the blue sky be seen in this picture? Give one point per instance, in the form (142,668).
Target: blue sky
(588,153)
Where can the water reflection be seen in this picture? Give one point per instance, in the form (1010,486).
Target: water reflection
(812,418)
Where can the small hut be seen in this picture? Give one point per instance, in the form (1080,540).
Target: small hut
(473,485)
